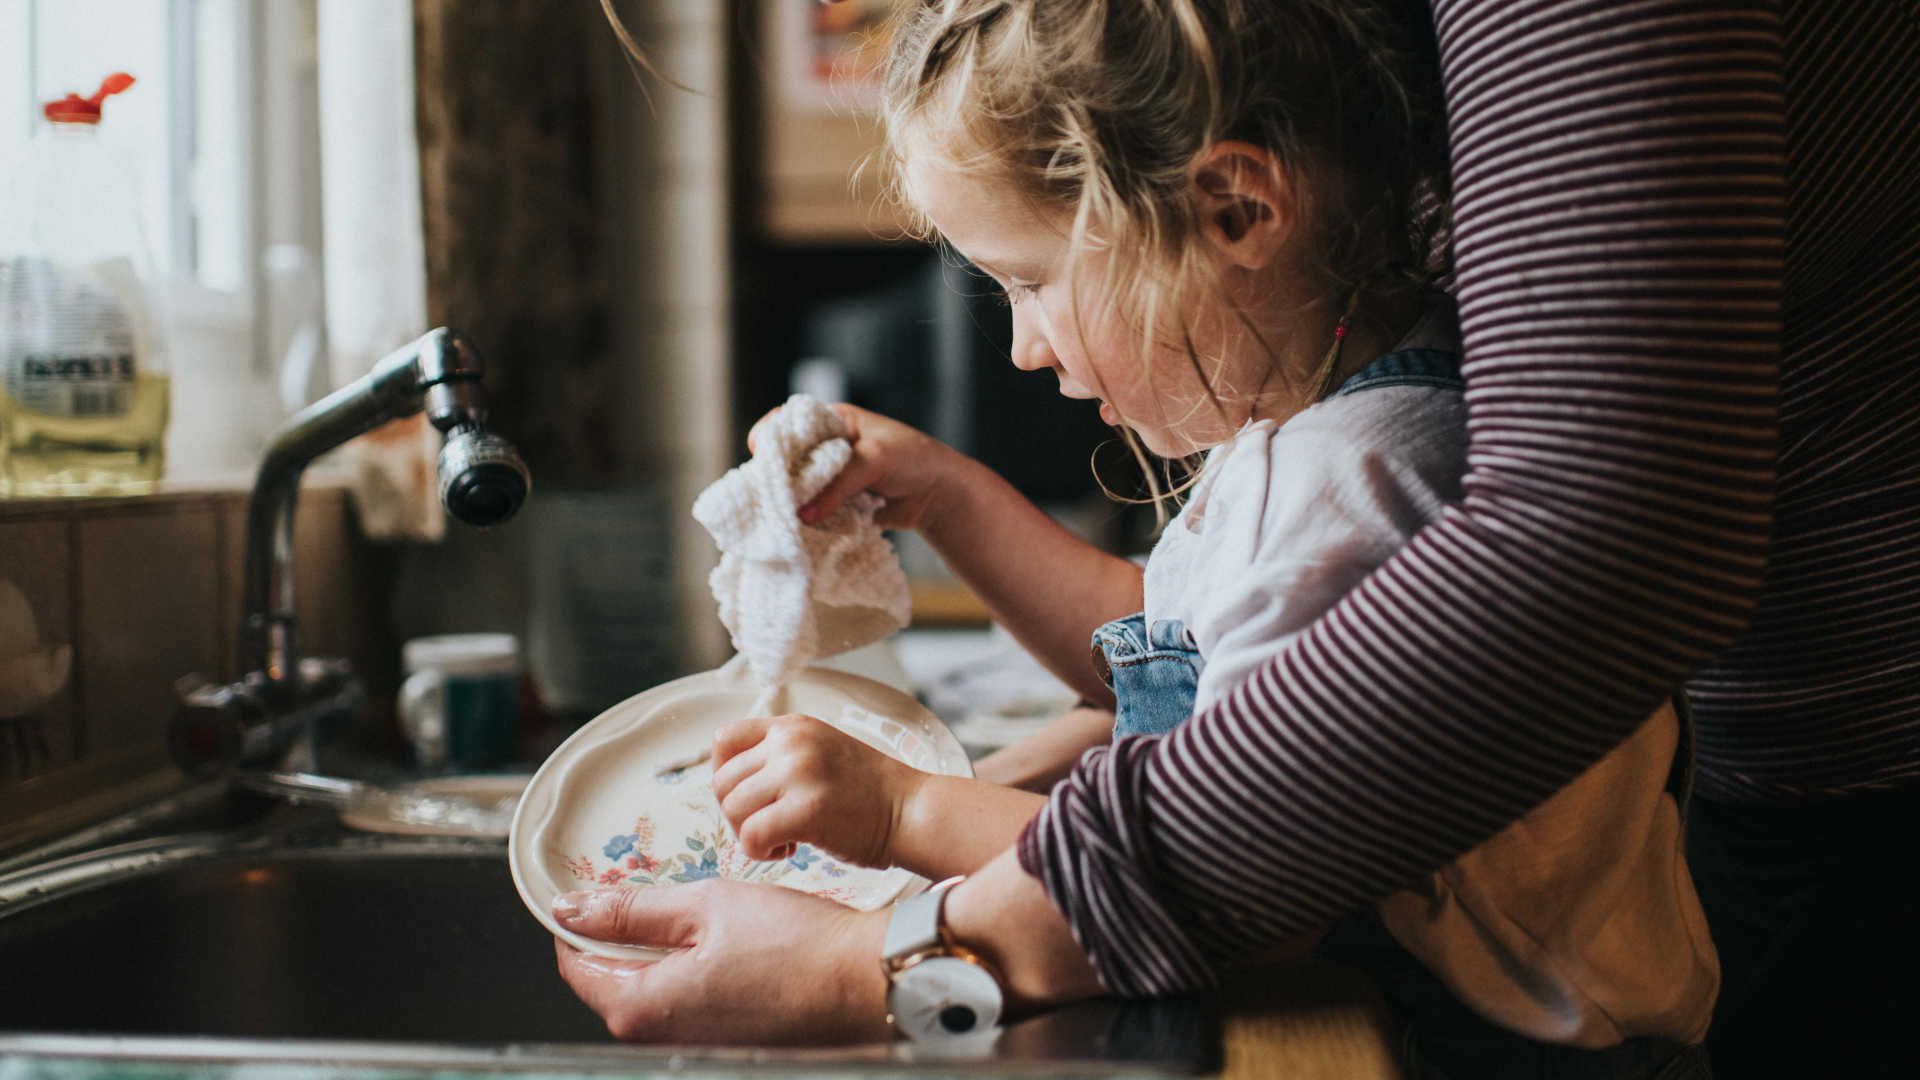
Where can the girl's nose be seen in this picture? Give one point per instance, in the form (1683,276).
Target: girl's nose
(1031,352)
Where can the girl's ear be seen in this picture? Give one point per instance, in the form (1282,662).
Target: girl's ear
(1246,202)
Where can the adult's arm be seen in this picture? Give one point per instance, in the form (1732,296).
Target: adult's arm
(1619,184)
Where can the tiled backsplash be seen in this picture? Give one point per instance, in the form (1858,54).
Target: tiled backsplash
(146,591)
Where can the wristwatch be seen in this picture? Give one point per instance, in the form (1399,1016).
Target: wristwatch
(938,992)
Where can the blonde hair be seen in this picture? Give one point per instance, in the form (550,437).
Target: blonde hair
(1100,107)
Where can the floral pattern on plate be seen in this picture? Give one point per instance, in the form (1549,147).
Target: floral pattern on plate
(714,853)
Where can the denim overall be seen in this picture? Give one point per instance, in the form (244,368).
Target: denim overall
(1154,671)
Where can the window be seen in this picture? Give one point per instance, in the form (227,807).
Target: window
(220,136)
(180,130)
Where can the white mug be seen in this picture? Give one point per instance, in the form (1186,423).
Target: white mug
(460,703)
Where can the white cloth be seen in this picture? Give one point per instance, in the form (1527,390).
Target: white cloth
(1287,518)
(791,593)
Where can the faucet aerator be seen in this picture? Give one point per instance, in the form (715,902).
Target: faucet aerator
(482,479)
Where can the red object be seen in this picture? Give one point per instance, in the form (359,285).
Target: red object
(74,109)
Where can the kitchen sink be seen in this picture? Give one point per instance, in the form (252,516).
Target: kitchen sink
(379,940)
(298,940)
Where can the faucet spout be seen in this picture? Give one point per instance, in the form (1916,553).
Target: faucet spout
(482,482)
(438,373)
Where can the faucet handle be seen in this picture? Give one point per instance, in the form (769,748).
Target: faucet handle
(210,725)
(257,720)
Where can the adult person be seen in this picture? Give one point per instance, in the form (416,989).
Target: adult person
(1687,256)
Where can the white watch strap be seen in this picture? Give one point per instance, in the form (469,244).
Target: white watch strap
(914,925)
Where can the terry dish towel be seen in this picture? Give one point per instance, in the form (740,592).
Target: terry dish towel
(790,593)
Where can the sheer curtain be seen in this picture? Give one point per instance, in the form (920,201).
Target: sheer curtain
(375,258)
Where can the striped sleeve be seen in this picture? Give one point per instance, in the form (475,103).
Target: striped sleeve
(1620,197)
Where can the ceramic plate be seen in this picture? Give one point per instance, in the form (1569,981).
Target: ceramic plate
(599,813)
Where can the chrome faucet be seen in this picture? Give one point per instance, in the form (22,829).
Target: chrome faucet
(267,716)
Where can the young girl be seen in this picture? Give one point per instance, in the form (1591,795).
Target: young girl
(1218,218)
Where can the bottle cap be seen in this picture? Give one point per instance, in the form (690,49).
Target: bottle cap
(74,109)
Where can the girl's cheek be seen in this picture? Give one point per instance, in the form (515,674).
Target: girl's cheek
(1061,332)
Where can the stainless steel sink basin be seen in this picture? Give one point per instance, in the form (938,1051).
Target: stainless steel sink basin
(358,941)
(294,940)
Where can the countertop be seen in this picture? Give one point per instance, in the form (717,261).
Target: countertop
(1298,1023)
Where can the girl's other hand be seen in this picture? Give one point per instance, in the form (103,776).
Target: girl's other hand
(901,464)
(789,780)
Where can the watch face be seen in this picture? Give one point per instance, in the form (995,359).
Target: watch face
(942,998)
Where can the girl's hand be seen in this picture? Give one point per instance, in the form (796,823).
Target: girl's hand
(903,465)
(795,780)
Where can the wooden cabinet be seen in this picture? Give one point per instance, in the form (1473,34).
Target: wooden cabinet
(817,173)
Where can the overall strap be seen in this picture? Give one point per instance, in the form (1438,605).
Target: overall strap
(1437,368)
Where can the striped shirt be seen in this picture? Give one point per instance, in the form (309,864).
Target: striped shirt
(1687,255)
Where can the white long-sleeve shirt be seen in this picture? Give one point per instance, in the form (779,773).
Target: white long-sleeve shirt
(1287,518)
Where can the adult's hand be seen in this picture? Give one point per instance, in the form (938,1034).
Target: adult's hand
(755,964)
(759,964)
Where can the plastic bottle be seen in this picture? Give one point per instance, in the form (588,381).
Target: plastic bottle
(86,395)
